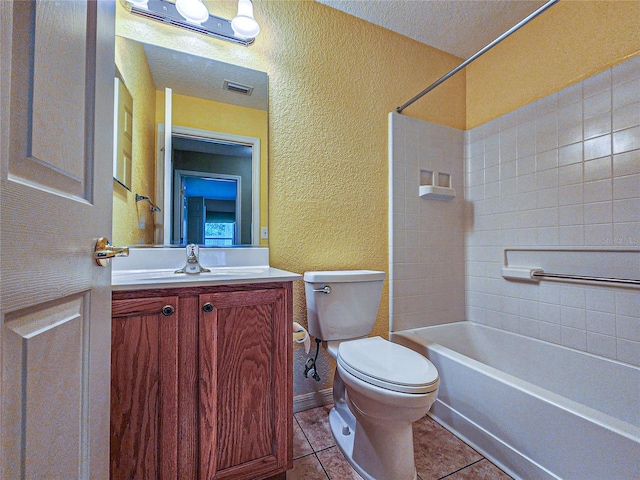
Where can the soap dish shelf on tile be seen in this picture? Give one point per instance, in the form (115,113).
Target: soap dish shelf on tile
(436,185)
(437,193)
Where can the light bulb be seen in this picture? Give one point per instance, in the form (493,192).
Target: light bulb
(193,11)
(140,3)
(243,24)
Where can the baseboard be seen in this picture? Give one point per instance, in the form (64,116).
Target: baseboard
(312,400)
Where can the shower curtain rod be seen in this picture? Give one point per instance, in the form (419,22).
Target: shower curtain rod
(477,54)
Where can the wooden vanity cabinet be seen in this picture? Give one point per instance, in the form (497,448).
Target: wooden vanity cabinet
(201,383)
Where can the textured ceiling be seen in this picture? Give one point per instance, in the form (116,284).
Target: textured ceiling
(207,77)
(460,27)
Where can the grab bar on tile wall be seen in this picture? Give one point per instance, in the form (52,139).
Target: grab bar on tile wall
(627,281)
(536,274)
(477,54)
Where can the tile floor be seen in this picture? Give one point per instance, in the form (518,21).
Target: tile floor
(439,454)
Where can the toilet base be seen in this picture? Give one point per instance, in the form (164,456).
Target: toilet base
(344,432)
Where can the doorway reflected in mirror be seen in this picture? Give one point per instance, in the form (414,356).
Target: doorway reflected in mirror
(203,106)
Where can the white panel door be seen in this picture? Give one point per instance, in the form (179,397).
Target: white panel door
(56,130)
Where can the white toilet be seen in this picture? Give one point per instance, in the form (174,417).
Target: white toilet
(380,388)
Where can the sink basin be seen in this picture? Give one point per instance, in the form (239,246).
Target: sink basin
(170,275)
(148,268)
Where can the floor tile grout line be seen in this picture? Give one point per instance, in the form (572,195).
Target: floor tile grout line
(461,468)
(322,466)
(314,454)
(313,450)
(309,441)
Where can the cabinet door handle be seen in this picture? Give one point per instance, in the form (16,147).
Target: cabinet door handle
(207,307)
(168,310)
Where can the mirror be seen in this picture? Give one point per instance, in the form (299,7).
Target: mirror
(207,171)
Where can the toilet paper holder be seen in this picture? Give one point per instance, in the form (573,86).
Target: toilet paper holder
(300,335)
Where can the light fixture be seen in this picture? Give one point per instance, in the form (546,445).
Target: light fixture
(243,24)
(193,11)
(194,16)
(140,3)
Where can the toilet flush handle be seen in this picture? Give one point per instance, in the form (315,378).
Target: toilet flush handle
(325,289)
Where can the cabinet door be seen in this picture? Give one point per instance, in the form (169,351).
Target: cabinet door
(244,343)
(144,388)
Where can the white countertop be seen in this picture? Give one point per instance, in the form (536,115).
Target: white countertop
(149,268)
(166,278)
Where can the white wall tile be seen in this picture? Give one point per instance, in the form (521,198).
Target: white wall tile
(574,338)
(628,351)
(427,241)
(571,95)
(599,322)
(600,212)
(628,327)
(597,235)
(571,174)
(570,153)
(596,84)
(598,191)
(549,312)
(627,163)
(597,169)
(626,93)
(560,173)
(547,160)
(571,194)
(570,124)
(545,199)
(627,116)
(550,332)
(547,131)
(626,210)
(571,235)
(626,234)
(626,187)
(626,71)
(597,104)
(627,303)
(597,125)
(600,300)
(572,296)
(603,345)
(625,140)
(571,215)
(585,195)
(601,146)
(573,317)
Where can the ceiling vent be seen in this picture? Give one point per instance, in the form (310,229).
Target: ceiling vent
(238,87)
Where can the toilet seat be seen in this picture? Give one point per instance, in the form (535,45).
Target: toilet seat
(388,365)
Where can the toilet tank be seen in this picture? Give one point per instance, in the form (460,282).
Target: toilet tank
(349,310)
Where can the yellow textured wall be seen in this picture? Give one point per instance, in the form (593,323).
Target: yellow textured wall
(571,41)
(222,117)
(333,79)
(129,216)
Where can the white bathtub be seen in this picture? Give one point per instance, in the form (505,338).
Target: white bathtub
(538,410)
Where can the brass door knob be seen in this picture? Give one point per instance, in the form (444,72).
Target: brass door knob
(104,251)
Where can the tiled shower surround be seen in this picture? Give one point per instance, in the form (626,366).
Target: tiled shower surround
(560,173)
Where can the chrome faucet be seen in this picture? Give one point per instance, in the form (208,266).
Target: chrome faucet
(193,262)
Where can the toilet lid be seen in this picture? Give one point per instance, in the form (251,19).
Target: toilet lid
(388,365)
